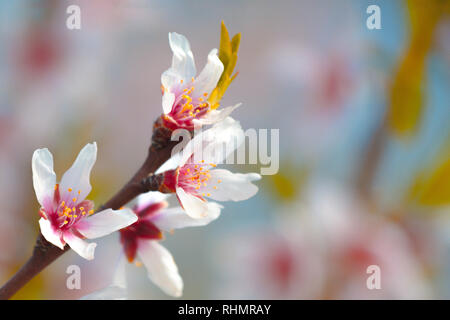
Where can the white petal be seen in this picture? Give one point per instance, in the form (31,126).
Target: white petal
(215,144)
(161,267)
(167,102)
(170,79)
(44,178)
(117,290)
(83,248)
(233,186)
(197,208)
(215,116)
(77,177)
(210,75)
(151,197)
(171,164)
(50,234)
(120,277)
(176,218)
(183,59)
(105,222)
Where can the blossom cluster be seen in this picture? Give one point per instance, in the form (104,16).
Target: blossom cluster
(188,102)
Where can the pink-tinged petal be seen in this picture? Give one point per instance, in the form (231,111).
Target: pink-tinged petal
(83,248)
(197,208)
(75,182)
(224,185)
(167,102)
(150,210)
(149,198)
(105,222)
(210,75)
(176,218)
(161,267)
(215,116)
(51,235)
(44,177)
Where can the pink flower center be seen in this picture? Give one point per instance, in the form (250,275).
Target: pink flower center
(188,106)
(65,213)
(194,177)
(144,228)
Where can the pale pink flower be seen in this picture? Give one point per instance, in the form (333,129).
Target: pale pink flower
(185,95)
(195,178)
(140,242)
(66,214)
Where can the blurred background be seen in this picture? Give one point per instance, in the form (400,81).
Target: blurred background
(364,125)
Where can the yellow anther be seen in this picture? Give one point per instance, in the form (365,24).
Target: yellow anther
(205,94)
(181,81)
(208,194)
(192,79)
(74,199)
(219,181)
(200,99)
(215,187)
(66,222)
(70,189)
(91,211)
(79,191)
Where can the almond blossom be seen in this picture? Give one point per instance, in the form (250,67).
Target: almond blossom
(66,214)
(140,241)
(194,178)
(185,95)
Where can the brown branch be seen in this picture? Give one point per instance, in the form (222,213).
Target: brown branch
(45,253)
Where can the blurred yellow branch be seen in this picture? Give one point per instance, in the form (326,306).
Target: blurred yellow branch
(432,187)
(406,105)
